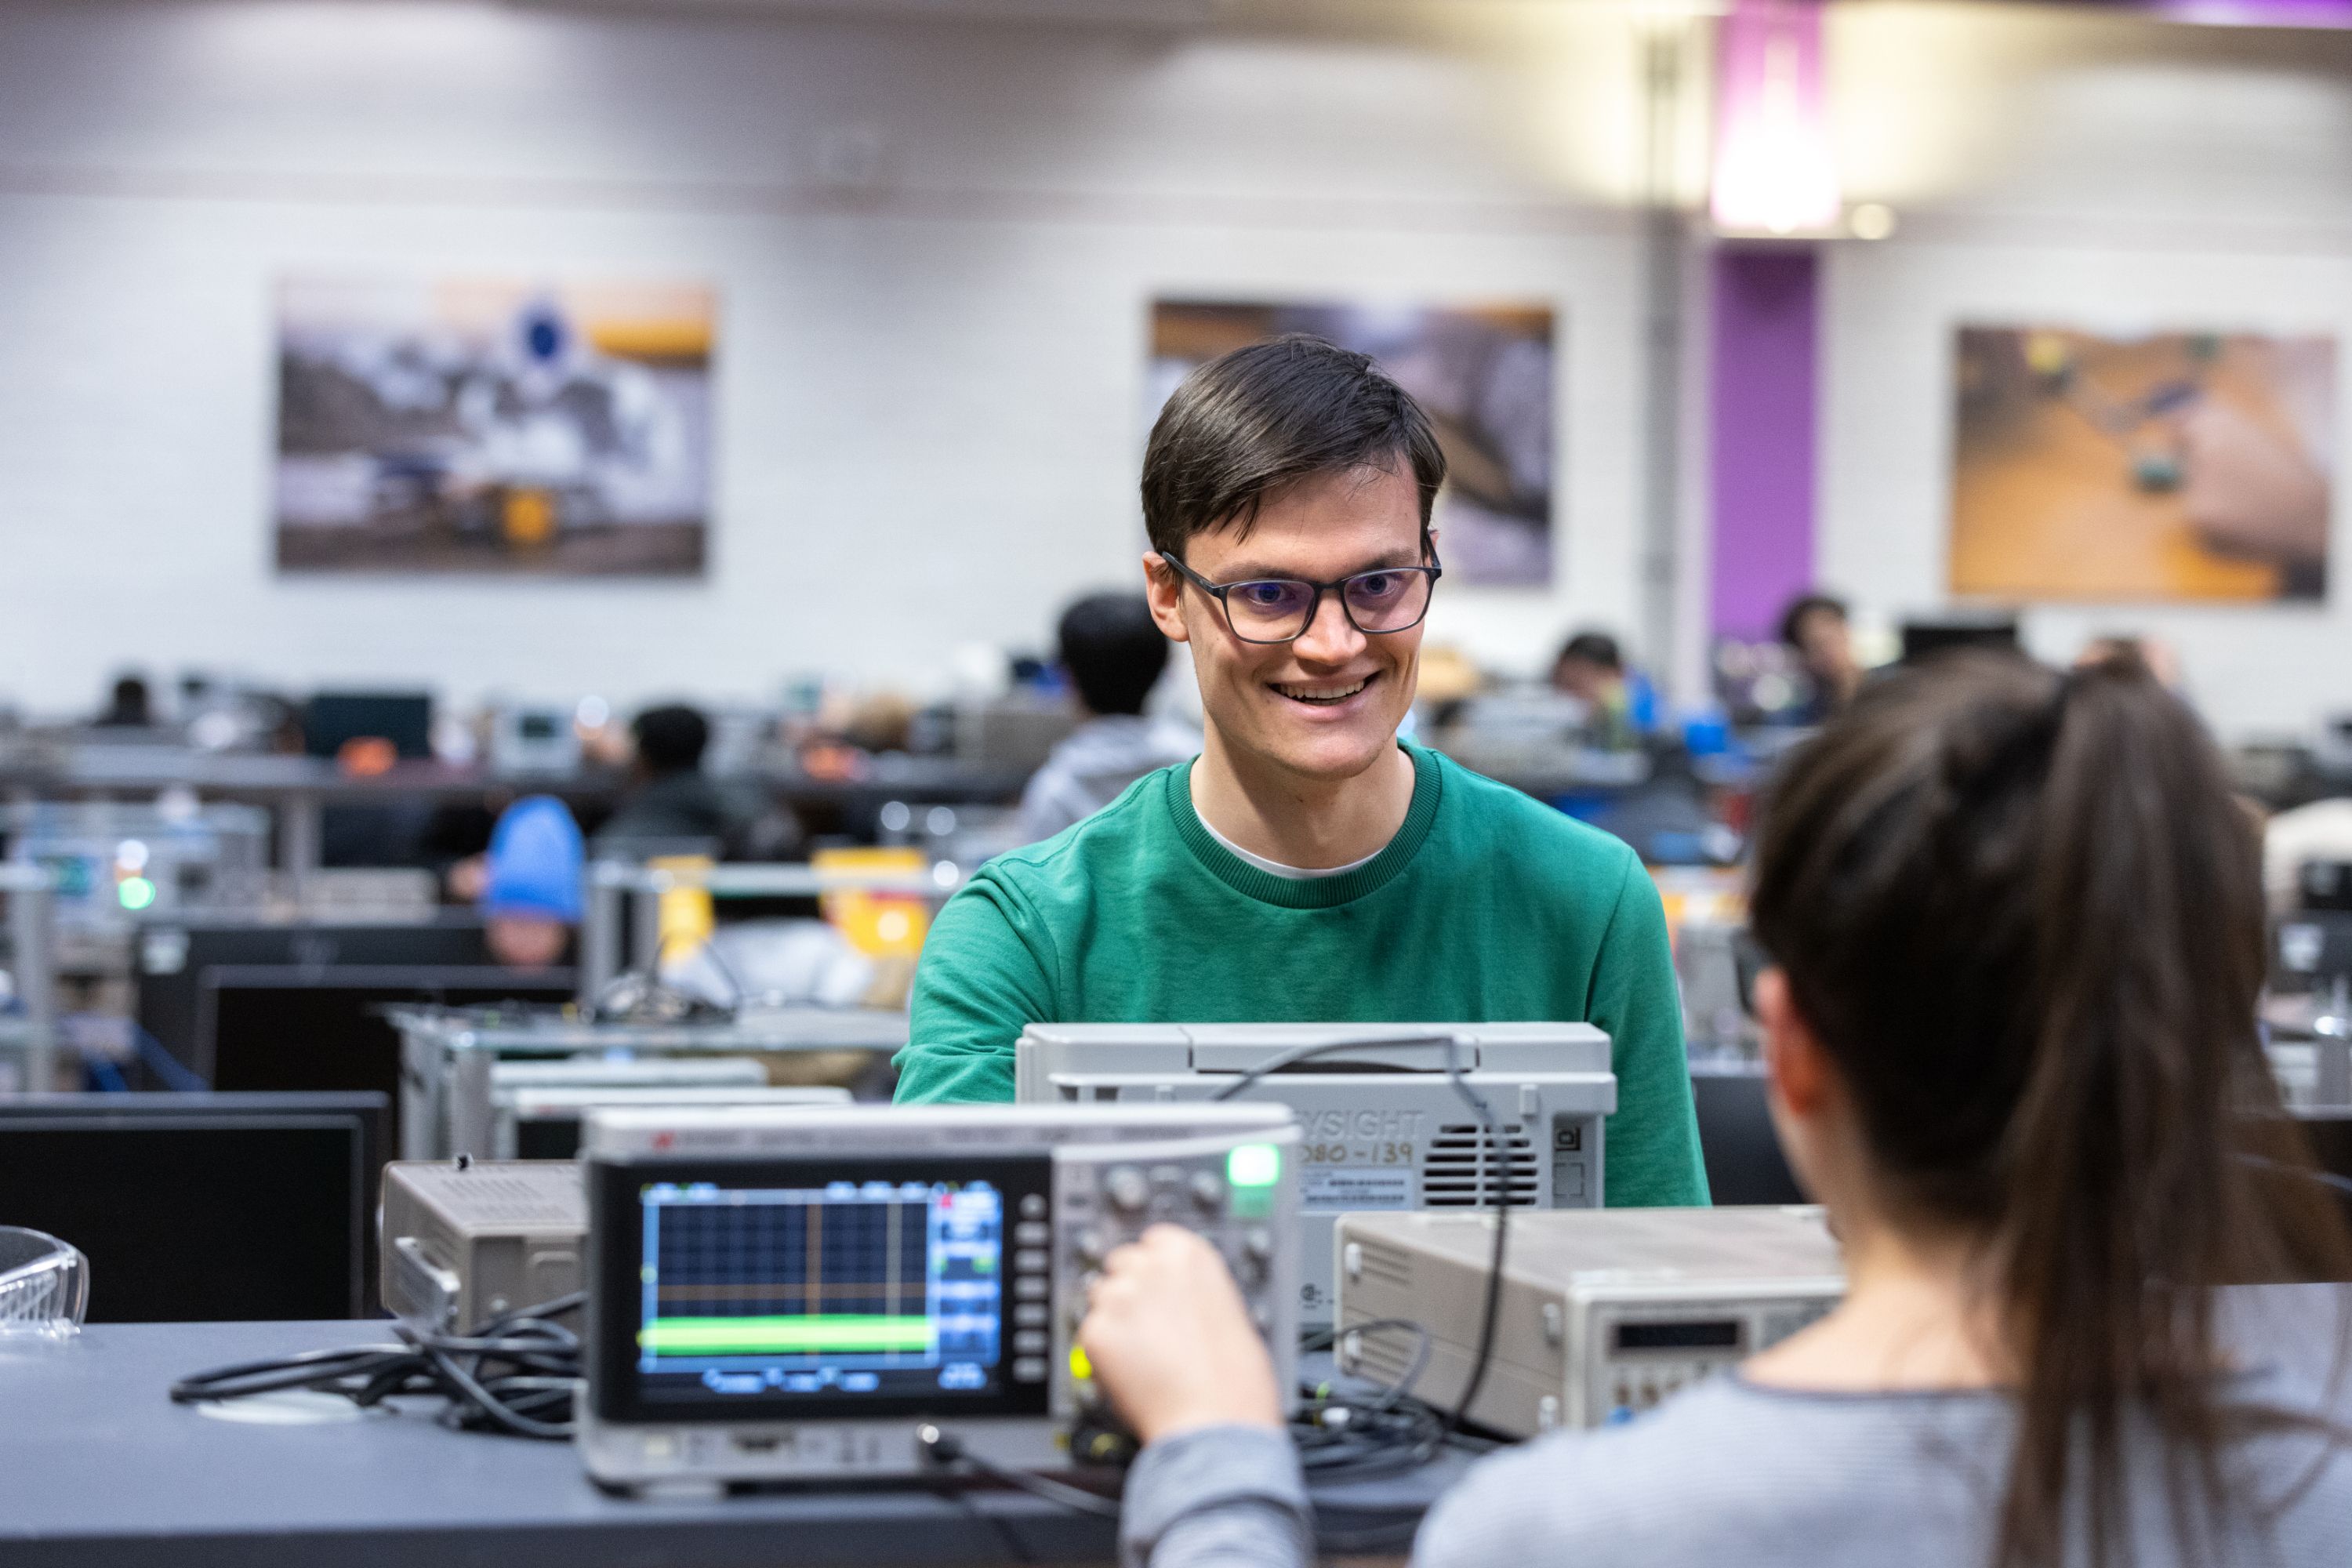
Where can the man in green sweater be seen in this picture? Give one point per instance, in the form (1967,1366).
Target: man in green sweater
(1307,865)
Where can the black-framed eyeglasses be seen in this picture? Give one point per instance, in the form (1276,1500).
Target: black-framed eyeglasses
(1280,609)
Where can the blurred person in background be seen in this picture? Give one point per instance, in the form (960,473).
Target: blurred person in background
(530,898)
(128,706)
(1114,653)
(1591,669)
(1817,628)
(670,798)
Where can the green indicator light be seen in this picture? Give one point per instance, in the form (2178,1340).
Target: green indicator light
(1254,1165)
(136,893)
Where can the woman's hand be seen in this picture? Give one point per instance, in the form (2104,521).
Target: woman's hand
(1172,1343)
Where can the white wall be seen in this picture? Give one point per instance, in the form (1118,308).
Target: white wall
(2079,170)
(929,390)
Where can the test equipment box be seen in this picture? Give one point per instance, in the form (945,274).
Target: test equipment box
(1383,1125)
(464,1241)
(1601,1314)
(791,1294)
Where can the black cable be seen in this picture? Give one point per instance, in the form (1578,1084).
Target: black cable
(1015,1547)
(947,1450)
(1401,1389)
(1292,1058)
(641,996)
(516,1373)
(1492,1146)
(1494,1306)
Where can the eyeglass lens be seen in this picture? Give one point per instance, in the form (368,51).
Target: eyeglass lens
(1279,609)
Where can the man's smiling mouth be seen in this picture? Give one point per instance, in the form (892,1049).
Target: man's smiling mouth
(1320,696)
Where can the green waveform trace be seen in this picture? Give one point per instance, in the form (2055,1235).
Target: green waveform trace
(811,1334)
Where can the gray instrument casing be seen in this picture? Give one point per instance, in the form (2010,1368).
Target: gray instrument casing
(1572,1285)
(463,1243)
(1392,1136)
(1092,1149)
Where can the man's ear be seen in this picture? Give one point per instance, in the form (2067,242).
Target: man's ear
(1800,1071)
(1163,587)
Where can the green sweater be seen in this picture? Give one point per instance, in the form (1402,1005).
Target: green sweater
(1487,907)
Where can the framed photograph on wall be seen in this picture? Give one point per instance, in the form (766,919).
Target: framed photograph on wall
(493,426)
(2177,465)
(1484,372)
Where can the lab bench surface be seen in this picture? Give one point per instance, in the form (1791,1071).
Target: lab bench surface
(99,1470)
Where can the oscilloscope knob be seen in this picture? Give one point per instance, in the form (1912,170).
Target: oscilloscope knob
(1127,1188)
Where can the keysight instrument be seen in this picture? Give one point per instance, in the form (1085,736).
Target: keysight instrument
(1392,1116)
(1600,1316)
(782,1294)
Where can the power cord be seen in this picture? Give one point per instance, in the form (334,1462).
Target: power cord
(947,1450)
(516,1373)
(1491,1145)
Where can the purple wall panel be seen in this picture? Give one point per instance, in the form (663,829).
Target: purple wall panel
(1761,437)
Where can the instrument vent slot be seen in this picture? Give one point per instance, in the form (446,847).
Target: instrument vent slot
(1465,1168)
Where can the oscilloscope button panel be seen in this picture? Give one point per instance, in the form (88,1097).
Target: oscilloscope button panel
(1103,1200)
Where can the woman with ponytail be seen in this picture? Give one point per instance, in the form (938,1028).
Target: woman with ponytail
(2016,928)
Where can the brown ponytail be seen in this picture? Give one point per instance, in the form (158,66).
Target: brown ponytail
(2023,914)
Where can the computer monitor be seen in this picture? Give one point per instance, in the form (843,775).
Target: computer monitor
(1744,1163)
(278,1027)
(333,719)
(202,1207)
(1925,640)
(173,959)
(2330,1133)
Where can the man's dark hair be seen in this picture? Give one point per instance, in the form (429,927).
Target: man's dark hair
(1113,651)
(1593,647)
(1793,619)
(670,740)
(1248,423)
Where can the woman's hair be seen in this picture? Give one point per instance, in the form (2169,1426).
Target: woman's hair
(2024,915)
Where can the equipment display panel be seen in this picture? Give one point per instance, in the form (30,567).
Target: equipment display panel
(816,1288)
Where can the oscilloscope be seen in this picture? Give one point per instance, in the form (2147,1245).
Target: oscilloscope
(779,1294)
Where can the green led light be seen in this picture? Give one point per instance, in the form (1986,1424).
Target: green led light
(136,893)
(1254,1165)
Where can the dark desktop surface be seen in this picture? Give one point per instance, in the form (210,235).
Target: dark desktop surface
(116,1476)
(113,1475)
(202,1207)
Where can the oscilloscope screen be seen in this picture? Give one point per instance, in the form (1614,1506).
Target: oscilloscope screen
(827,1289)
